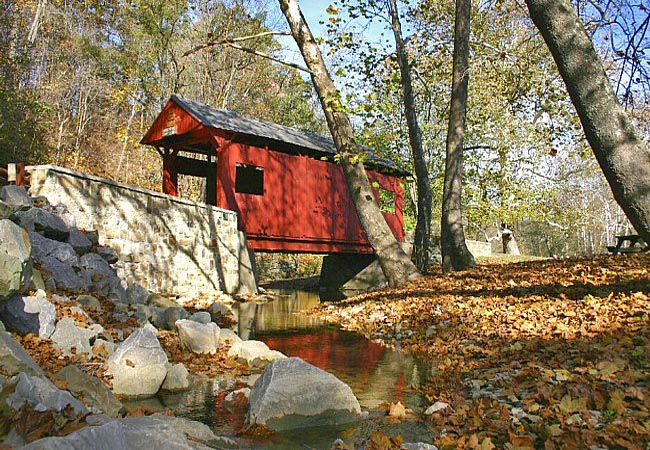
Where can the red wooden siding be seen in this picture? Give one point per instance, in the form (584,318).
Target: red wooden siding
(305,206)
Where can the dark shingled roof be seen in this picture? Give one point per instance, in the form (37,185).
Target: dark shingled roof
(230,121)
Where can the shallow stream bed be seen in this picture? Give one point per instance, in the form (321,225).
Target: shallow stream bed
(376,374)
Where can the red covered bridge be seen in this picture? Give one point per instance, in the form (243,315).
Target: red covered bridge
(288,197)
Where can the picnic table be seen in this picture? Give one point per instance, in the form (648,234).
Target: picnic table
(635,245)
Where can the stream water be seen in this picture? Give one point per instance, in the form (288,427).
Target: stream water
(375,373)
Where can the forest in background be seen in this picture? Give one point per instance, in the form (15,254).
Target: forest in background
(80,82)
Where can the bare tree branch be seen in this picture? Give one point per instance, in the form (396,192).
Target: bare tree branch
(230,42)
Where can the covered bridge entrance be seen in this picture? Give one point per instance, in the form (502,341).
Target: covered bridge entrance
(288,197)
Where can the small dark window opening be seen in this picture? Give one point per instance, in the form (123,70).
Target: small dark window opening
(386,200)
(249,179)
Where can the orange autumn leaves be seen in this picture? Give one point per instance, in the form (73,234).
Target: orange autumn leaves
(547,354)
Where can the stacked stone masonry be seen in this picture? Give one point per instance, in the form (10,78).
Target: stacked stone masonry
(167,244)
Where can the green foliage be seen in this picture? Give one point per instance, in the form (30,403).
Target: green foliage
(21,136)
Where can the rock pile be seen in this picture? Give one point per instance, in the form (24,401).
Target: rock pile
(57,283)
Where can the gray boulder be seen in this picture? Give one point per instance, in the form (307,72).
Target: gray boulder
(15,261)
(161,301)
(138,365)
(108,254)
(43,247)
(201,317)
(14,359)
(172,315)
(41,221)
(93,236)
(153,432)
(41,395)
(5,210)
(62,276)
(254,353)
(294,394)
(79,241)
(103,277)
(68,336)
(95,393)
(177,379)
(198,337)
(16,197)
(137,295)
(29,314)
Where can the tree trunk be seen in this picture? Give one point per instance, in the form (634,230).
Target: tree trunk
(624,159)
(455,255)
(395,264)
(422,244)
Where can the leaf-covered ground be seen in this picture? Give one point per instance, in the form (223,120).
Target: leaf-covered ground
(545,354)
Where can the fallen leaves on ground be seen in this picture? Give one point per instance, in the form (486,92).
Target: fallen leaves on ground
(546,354)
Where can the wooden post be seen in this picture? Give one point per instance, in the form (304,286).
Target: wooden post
(170,175)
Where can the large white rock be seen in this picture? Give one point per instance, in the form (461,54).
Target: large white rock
(138,365)
(254,353)
(198,337)
(294,394)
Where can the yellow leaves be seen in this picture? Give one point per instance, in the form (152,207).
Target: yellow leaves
(569,406)
(610,367)
(381,441)
(616,402)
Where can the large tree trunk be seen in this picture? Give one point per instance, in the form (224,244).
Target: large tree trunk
(624,159)
(395,264)
(422,244)
(455,255)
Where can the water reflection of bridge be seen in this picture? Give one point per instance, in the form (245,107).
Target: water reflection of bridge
(375,373)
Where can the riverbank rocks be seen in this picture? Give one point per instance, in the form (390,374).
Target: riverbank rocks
(14,359)
(43,222)
(79,241)
(294,394)
(152,432)
(172,315)
(15,261)
(29,314)
(177,379)
(198,337)
(41,395)
(92,389)
(16,197)
(68,337)
(201,317)
(254,353)
(228,337)
(138,365)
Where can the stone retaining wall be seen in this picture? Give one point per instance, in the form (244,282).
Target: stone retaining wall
(167,244)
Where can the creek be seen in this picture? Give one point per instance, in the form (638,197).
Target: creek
(376,374)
